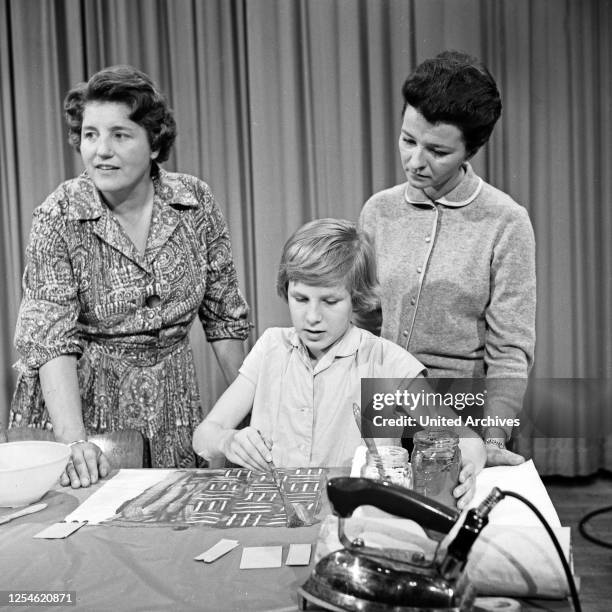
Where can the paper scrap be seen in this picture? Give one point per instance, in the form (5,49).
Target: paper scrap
(254,557)
(299,554)
(222,547)
(59,530)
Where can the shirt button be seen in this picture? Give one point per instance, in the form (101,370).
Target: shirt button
(413,301)
(153,300)
(405,332)
(428,239)
(419,269)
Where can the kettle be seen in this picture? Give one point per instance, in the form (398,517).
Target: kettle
(366,579)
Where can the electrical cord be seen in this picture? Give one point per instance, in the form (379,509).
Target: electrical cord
(566,567)
(586,518)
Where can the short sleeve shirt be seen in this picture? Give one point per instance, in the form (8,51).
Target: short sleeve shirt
(307,411)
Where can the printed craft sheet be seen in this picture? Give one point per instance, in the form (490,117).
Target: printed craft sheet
(218,498)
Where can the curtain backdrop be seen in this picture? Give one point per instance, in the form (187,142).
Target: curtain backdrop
(290,110)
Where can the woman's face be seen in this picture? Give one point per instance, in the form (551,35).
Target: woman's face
(431,154)
(115,151)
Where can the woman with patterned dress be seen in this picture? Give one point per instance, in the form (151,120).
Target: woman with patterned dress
(120,262)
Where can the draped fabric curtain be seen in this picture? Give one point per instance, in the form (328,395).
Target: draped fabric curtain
(291,110)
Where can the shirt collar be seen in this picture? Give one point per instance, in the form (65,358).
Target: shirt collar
(347,346)
(462,194)
(170,190)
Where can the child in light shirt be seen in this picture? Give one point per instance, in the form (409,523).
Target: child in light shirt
(300,383)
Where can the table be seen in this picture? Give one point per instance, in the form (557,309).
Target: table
(145,568)
(152,568)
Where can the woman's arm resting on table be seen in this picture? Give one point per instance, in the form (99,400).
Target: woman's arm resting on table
(230,355)
(60,388)
(216,436)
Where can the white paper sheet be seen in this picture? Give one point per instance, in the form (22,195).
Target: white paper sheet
(524,480)
(257,557)
(124,486)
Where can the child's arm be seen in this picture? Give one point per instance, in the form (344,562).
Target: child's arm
(217,436)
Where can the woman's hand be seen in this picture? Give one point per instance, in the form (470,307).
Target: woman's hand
(464,491)
(87,464)
(498,454)
(246,447)
(473,457)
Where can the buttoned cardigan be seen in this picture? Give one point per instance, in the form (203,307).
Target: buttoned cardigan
(457,277)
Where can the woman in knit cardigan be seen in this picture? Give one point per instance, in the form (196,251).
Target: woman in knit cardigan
(456,256)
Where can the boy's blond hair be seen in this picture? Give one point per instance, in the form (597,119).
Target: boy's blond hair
(327,252)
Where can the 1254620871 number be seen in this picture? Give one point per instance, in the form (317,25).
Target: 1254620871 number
(43,598)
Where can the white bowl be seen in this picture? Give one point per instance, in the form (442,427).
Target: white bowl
(28,469)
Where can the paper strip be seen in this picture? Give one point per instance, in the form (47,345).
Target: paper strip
(218,550)
(59,530)
(299,554)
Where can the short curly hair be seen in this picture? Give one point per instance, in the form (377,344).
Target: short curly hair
(455,88)
(327,252)
(125,85)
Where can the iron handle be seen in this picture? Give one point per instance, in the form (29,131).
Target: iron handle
(346,494)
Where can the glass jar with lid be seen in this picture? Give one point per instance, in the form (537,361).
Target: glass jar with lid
(396,465)
(436,463)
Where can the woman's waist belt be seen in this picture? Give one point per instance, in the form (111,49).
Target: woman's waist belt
(138,354)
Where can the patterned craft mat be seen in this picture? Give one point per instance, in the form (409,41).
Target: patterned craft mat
(235,497)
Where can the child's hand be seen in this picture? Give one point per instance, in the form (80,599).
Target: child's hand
(464,491)
(247,448)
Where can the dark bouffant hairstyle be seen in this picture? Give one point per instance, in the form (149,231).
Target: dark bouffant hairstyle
(455,88)
(327,252)
(126,85)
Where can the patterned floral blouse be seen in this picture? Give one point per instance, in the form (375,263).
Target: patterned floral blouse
(88,291)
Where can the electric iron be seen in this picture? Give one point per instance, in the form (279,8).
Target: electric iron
(366,579)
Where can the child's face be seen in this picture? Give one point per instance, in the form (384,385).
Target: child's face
(320,315)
